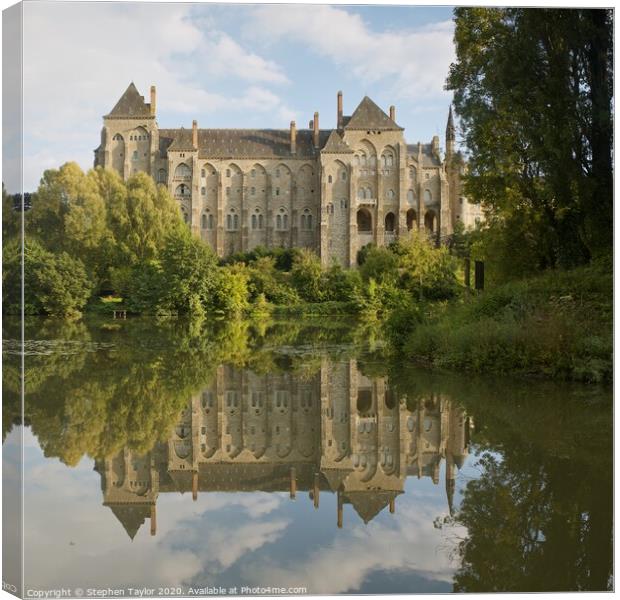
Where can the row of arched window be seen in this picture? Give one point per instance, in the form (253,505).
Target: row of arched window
(257,220)
(364,221)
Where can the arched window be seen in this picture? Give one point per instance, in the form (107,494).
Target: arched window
(203,191)
(343,175)
(182,190)
(390,194)
(253,192)
(203,173)
(303,221)
(364,221)
(329,179)
(282,219)
(412,172)
(118,138)
(182,171)
(161,176)
(390,221)
(428,197)
(430,221)
(410,197)
(211,221)
(254,221)
(203,221)
(412,219)
(232,220)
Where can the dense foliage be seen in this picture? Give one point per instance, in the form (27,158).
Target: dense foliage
(533,89)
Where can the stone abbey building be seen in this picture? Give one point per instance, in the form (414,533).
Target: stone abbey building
(330,190)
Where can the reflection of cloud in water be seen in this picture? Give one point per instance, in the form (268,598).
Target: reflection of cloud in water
(405,541)
(223,540)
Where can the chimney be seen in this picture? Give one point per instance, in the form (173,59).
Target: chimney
(315,129)
(293,138)
(153,519)
(195,133)
(435,146)
(153,100)
(194,482)
(293,490)
(339,120)
(393,113)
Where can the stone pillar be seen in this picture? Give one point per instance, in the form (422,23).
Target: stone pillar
(195,198)
(403,183)
(294,213)
(324,229)
(219,218)
(379,225)
(420,206)
(352,173)
(269,210)
(244,214)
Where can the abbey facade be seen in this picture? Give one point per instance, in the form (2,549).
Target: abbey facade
(330,190)
(337,432)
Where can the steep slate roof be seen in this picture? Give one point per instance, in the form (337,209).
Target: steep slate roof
(243,143)
(428,158)
(370,503)
(369,116)
(131,104)
(336,145)
(131,516)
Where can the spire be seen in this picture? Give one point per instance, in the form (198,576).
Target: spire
(450,130)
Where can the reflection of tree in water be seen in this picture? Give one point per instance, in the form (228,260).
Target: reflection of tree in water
(540,517)
(95,387)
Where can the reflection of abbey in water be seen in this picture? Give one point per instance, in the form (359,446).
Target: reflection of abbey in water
(336,431)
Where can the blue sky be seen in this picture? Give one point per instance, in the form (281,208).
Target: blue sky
(226,66)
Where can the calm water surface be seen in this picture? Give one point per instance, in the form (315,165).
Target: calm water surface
(294,455)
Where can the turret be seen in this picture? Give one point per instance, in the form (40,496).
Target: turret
(450,135)
(153,100)
(393,113)
(195,134)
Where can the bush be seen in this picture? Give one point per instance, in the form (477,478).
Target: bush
(426,272)
(306,276)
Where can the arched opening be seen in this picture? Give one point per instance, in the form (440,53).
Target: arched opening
(430,221)
(428,197)
(182,172)
(364,221)
(390,222)
(182,190)
(364,401)
(412,219)
(390,399)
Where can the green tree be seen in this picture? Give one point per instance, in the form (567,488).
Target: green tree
(533,89)
(427,272)
(306,276)
(54,284)
(69,215)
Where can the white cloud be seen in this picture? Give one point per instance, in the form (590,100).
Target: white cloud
(80,57)
(413,63)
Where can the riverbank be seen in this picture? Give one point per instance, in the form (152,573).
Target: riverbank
(557,325)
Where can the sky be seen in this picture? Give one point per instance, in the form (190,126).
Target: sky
(240,66)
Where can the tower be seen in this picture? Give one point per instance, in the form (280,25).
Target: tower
(450,136)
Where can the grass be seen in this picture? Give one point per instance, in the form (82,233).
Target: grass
(557,325)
